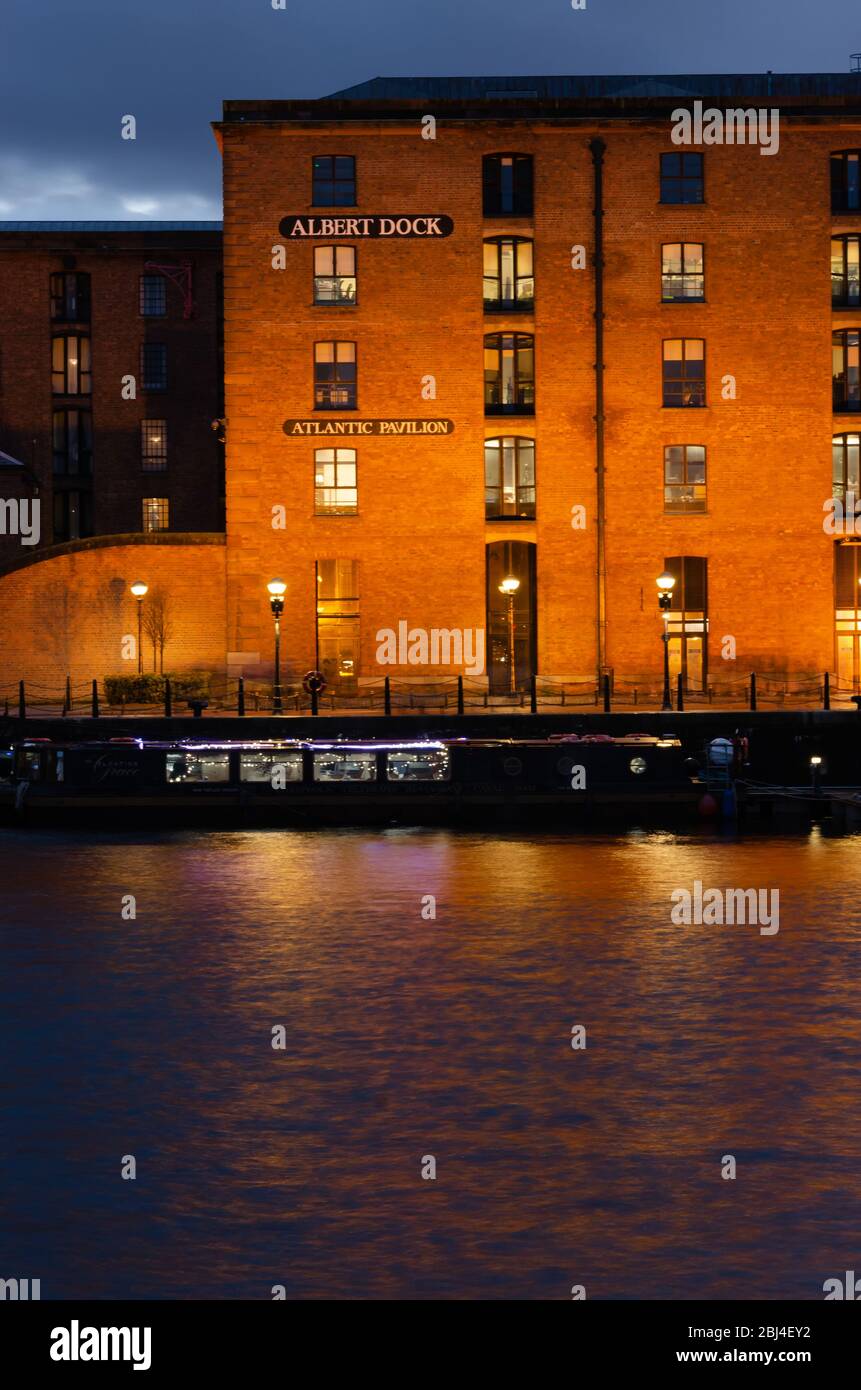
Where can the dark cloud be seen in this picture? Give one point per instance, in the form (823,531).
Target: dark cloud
(70,71)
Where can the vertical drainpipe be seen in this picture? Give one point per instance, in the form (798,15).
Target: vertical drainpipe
(598,147)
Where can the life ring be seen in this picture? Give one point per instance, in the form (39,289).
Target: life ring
(314,682)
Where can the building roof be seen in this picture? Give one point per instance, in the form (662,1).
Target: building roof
(111,226)
(690,86)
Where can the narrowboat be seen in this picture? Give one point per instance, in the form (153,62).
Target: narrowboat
(310,779)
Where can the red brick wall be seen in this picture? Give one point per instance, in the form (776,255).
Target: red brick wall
(69,613)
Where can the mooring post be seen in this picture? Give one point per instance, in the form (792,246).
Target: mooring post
(826,690)
(241,696)
(168,705)
(460,694)
(680,692)
(95,699)
(607,704)
(533,693)
(22,702)
(67,697)
(753,690)
(314,698)
(387,695)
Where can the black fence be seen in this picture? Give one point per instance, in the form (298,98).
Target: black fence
(451,695)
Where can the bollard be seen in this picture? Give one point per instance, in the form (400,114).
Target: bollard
(753,690)
(95,699)
(533,693)
(313,700)
(387,696)
(826,691)
(22,702)
(241,695)
(67,698)
(607,705)
(460,694)
(168,705)
(680,692)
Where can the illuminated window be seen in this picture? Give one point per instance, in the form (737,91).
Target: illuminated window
(682,271)
(335,383)
(845,272)
(688,621)
(684,478)
(335,488)
(70,297)
(333,181)
(155,513)
(338,766)
(197,767)
(509,374)
(846,383)
(508,279)
(419,765)
(845,452)
(684,375)
(334,275)
(509,477)
(71,373)
(153,445)
(507,185)
(273,767)
(846,181)
(153,296)
(681,178)
(73,442)
(338,622)
(153,367)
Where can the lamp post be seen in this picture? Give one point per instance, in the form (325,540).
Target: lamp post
(509,588)
(140,591)
(277,589)
(666,583)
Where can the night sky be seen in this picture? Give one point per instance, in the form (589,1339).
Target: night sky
(70,69)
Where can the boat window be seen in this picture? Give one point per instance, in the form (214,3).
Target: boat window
(274,768)
(30,763)
(419,765)
(345,766)
(198,767)
(60,765)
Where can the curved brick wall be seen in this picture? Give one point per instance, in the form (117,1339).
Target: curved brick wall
(66,611)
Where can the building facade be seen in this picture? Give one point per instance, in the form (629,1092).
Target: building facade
(110,379)
(419,407)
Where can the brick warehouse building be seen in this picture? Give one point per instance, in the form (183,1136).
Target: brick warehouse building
(422,315)
(85,305)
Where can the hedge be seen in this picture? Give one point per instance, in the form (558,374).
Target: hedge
(149,689)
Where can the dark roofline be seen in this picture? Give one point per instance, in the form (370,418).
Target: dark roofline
(122,227)
(578,97)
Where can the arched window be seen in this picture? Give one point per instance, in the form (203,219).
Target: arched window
(846,181)
(507,185)
(509,374)
(845,453)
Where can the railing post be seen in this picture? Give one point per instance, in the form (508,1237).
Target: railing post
(387,695)
(460,694)
(826,691)
(753,690)
(22,702)
(680,692)
(168,706)
(95,699)
(241,695)
(313,699)
(607,705)
(67,697)
(533,693)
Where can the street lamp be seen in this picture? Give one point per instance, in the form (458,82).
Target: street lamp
(666,583)
(277,589)
(509,588)
(140,591)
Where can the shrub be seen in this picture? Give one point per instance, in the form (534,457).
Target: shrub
(148,689)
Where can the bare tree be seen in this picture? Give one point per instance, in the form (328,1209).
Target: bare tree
(158,625)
